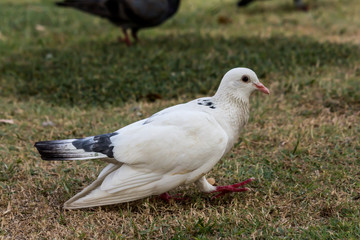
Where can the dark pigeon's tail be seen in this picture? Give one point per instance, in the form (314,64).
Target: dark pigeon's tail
(78,3)
(77,149)
(95,7)
(61,4)
(68,3)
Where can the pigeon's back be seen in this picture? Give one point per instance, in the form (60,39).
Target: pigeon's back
(128,13)
(149,12)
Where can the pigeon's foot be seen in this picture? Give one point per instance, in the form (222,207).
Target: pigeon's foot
(134,32)
(125,40)
(167,197)
(222,190)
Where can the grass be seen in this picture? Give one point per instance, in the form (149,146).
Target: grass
(301,143)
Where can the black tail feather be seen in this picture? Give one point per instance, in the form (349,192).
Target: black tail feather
(90,6)
(77,149)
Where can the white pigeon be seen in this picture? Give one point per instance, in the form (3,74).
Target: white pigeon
(175,146)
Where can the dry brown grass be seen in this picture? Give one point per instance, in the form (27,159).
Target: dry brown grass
(293,192)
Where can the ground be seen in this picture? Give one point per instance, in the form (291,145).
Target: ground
(64,75)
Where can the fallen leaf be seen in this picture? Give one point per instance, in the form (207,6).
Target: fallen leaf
(8,121)
(40,28)
(48,123)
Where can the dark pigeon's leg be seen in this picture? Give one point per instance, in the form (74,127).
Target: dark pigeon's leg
(222,190)
(300,5)
(134,32)
(126,38)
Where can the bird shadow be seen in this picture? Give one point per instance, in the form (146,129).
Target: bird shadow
(97,72)
(154,205)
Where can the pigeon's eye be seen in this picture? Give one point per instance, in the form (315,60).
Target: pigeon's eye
(245,78)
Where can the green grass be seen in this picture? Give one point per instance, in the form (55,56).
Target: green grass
(301,143)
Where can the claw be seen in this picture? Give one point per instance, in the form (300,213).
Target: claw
(232,188)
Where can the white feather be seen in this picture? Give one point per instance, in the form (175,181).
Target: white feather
(178,145)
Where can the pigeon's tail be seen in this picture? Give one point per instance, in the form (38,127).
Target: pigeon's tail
(77,149)
(67,3)
(95,7)
(76,3)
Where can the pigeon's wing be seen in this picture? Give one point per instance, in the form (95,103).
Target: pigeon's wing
(146,11)
(122,184)
(174,148)
(71,203)
(170,138)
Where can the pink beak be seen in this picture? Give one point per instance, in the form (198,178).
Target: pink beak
(262,88)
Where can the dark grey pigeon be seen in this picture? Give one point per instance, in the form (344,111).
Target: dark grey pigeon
(128,14)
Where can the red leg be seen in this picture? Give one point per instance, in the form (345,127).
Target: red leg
(126,38)
(134,34)
(301,6)
(222,190)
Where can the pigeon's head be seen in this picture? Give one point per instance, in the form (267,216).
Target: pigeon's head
(240,83)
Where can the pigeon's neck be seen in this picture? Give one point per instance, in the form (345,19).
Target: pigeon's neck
(234,111)
(233,101)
